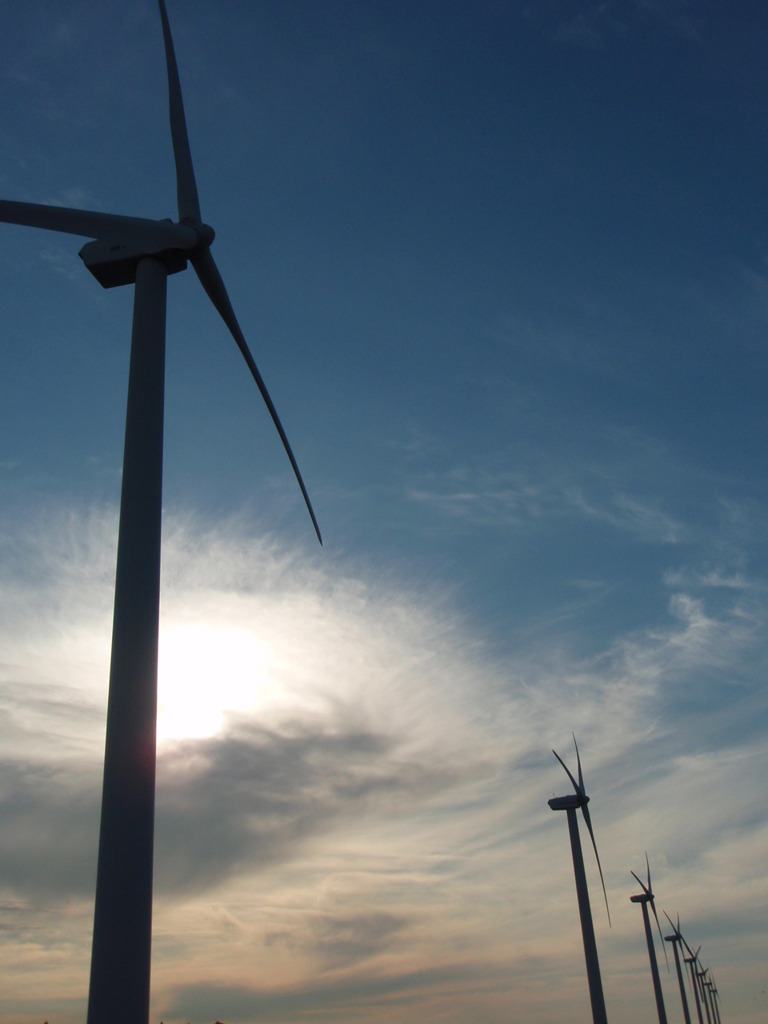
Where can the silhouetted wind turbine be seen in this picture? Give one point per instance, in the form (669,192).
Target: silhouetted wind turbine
(691,960)
(133,250)
(676,938)
(708,985)
(715,998)
(645,898)
(702,975)
(570,804)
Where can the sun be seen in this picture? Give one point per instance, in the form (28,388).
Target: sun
(206,672)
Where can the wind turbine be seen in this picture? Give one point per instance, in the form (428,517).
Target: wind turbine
(702,976)
(134,250)
(570,804)
(676,938)
(691,960)
(645,898)
(708,984)
(715,998)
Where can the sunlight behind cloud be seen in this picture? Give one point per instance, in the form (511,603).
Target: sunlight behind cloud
(207,670)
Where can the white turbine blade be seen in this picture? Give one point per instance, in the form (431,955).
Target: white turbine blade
(653,908)
(646,888)
(186,187)
(587,819)
(640,883)
(715,990)
(210,278)
(578,765)
(157,234)
(675,927)
(658,925)
(567,772)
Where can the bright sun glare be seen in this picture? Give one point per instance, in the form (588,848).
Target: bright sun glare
(205,672)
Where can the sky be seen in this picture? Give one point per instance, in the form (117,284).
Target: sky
(504,268)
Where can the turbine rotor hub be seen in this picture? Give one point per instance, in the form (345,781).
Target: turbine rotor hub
(205,233)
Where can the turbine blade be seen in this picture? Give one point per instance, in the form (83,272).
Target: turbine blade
(640,883)
(567,772)
(588,820)
(658,925)
(653,906)
(675,927)
(157,234)
(210,278)
(578,764)
(186,187)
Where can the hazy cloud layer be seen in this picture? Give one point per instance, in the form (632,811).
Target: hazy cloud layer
(377,801)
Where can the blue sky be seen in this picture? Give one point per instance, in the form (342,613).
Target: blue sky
(503,268)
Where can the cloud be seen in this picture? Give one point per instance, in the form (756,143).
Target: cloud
(366,832)
(598,23)
(343,724)
(504,498)
(262,795)
(359,1000)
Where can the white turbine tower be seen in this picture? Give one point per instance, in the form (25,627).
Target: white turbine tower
(645,898)
(134,250)
(570,804)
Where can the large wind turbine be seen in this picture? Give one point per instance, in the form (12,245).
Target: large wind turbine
(676,938)
(570,804)
(134,250)
(645,898)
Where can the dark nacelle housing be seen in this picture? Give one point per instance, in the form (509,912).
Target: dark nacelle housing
(113,263)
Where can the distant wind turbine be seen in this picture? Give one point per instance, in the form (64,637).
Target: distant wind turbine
(715,998)
(570,804)
(645,898)
(691,960)
(702,976)
(708,984)
(676,938)
(133,250)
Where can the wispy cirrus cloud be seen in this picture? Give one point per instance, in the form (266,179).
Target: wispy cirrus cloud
(596,24)
(372,819)
(505,498)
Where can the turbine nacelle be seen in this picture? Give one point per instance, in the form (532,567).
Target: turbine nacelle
(566,803)
(113,263)
(113,259)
